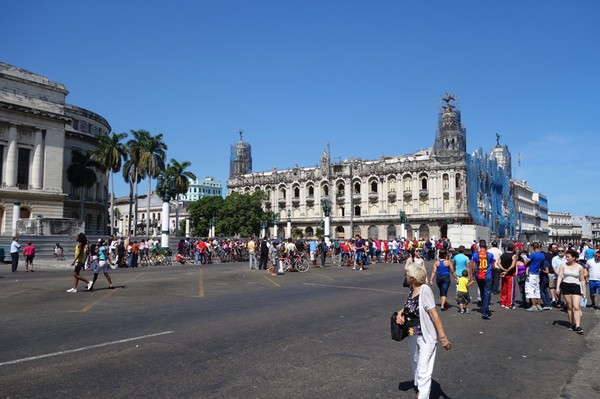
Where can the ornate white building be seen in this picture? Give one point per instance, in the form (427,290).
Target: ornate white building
(38,133)
(432,188)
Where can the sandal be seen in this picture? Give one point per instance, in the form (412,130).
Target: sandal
(579,330)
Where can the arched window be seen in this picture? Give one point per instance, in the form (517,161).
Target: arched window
(311,191)
(357,211)
(357,188)
(445,181)
(407,180)
(373,186)
(296,192)
(326,190)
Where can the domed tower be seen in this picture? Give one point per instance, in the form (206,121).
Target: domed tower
(451,138)
(241,158)
(502,156)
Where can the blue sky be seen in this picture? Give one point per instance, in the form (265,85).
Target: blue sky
(366,76)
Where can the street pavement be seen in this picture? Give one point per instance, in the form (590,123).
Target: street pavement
(224,331)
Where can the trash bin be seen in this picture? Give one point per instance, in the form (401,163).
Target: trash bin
(1,254)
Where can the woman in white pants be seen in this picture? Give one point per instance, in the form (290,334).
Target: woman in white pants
(424,329)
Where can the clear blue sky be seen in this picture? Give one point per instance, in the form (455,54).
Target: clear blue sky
(367,76)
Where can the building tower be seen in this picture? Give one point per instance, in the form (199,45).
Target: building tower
(241,158)
(501,154)
(451,138)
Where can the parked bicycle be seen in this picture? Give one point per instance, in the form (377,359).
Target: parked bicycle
(295,262)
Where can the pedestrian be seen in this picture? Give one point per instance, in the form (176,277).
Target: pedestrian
(252,254)
(534,263)
(483,263)
(571,283)
(15,247)
(101,264)
(496,271)
(424,329)
(264,254)
(593,266)
(29,253)
(461,263)
(463,297)
(442,269)
(322,249)
(508,266)
(79,262)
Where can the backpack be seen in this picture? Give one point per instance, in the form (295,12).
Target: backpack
(482,268)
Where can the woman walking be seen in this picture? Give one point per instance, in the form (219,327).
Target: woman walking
(29,254)
(424,329)
(571,283)
(79,262)
(442,268)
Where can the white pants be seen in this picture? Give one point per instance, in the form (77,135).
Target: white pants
(422,358)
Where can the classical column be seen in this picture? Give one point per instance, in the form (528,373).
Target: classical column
(10,175)
(16,214)
(36,170)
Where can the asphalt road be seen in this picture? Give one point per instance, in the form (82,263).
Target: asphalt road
(223,331)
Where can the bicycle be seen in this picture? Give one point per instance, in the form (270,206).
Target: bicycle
(298,263)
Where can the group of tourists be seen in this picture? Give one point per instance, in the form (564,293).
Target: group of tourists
(560,278)
(28,253)
(94,256)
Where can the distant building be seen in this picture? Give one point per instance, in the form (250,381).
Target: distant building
(433,188)
(198,189)
(532,212)
(39,132)
(563,228)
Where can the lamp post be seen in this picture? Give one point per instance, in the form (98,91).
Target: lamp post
(403,224)
(275,221)
(165,188)
(289,224)
(326,205)
(213,222)
(263,228)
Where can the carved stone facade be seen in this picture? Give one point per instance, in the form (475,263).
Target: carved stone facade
(38,134)
(429,186)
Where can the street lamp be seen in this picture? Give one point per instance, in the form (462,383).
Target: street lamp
(213,223)
(289,224)
(275,220)
(263,228)
(165,188)
(403,224)
(326,205)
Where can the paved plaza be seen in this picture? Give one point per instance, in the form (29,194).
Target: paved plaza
(224,331)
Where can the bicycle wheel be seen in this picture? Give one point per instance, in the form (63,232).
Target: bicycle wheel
(286,264)
(302,265)
(166,261)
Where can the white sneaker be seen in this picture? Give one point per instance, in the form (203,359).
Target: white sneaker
(360,268)
(72,290)
(354,268)
(89,286)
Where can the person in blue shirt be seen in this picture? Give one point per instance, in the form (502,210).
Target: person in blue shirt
(535,263)
(461,262)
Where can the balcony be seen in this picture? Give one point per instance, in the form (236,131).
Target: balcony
(310,200)
(281,202)
(407,194)
(373,197)
(296,201)
(356,197)
(423,193)
(268,204)
(392,196)
(340,198)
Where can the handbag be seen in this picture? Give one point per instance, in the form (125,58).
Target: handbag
(405,283)
(399,331)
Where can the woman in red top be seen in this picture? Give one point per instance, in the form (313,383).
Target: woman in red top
(29,253)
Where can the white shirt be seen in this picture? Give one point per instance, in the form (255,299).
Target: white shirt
(14,247)
(593,269)
(497,252)
(426,302)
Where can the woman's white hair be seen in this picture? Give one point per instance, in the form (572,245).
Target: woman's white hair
(417,273)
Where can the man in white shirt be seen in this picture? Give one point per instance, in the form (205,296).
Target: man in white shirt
(15,247)
(593,266)
(497,271)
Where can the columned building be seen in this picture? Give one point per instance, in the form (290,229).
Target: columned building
(39,132)
(431,188)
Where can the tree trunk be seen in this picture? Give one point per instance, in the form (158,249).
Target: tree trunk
(112,205)
(81,215)
(135,215)
(130,207)
(148,209)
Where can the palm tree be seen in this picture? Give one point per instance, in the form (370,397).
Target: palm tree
(132,172)
(110,154)
(81,174)
(152,162)
(182,178)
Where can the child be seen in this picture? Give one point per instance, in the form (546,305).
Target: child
(463,292)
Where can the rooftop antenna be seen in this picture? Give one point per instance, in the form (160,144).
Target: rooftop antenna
(519,166)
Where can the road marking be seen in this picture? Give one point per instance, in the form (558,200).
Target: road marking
(271,280)
(87,308)
(355,288)
(322,275)
(27,359)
